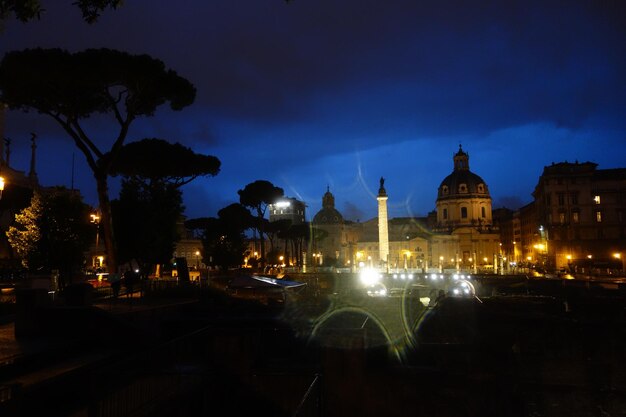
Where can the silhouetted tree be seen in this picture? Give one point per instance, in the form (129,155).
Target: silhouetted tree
(26,10)
(223,239)
(295,236)
(71,87)
(53,232)
(257,196)
(14,199)
(157,160)
(145,218)
(316,235)
(150,204)
(277,229)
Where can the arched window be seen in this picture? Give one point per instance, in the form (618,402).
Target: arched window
(481,189)
(463,188)
(444,190)
(482,212)
(464,212)
(445,213)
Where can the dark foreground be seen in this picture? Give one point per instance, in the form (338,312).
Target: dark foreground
(519,349)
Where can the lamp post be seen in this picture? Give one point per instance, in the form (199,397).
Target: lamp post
(618,256)
(1,186)
(95,219)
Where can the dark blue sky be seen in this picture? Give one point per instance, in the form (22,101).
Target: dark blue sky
(339,93)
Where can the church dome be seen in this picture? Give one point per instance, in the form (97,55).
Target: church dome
(328,214)
(462,182)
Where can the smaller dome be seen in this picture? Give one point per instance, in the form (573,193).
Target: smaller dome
(328,214)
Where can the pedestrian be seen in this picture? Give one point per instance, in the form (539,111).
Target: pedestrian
(130,277)
(116,284)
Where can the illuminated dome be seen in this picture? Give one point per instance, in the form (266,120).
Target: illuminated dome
(328,214)
(462,182)
(463,197)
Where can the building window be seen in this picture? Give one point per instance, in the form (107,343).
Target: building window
(575,217)
(445,213)
(598,216)
(481,188)
(575,199)
(444,190)
(463,188)
(482,212)
(562,218)
(596,199)
(561,198)
(464,212)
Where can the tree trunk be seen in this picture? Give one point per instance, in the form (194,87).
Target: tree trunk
(106,221)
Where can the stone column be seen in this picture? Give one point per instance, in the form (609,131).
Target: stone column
(383,231)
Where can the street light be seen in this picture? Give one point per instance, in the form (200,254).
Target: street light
(618,256)
(1,186)
(197,259)
(95,219)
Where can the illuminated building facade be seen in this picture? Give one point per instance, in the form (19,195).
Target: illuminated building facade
(465,236)
(581,216)
(460,236)
(408,244)
(287,209)
(333,239)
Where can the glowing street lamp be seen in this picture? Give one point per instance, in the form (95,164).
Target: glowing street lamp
(95,219)
(618,256)
(1,186)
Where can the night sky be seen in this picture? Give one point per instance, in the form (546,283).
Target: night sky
(317,93)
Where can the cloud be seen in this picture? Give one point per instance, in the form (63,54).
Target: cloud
(352,212)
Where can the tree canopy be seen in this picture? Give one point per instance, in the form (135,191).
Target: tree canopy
(26,10)
(150,204)
(53,232)
(257,196)
(71,87)
(223,238)
(145,220)
(158,160)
